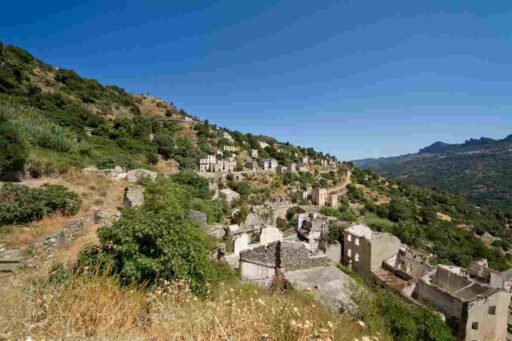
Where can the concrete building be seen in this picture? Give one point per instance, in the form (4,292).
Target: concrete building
(210,163)
(364,250)
(479,311)
(319,196)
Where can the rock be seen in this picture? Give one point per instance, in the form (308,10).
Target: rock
(136,175)
(199,217)
(329,285)
(220,252)
(133,196)
(11,259)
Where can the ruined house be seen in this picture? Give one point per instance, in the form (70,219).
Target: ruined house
(319,196)
(210,163)
(304,160)
(302,167)
(364,250)
(292,167)
(282,169)
(478,312)
(332,200)
(253,153)
(260,264)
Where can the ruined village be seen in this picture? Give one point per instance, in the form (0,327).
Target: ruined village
(475,301)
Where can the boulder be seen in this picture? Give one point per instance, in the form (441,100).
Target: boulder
(133,196)
(136,175)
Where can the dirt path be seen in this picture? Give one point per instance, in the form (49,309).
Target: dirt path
(345,182)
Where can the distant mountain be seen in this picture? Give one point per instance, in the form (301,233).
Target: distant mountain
(480,169)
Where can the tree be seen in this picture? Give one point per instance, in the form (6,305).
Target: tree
(14,154)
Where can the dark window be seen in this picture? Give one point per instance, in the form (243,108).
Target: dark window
(492,310)
(474,326)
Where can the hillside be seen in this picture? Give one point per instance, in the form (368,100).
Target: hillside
(150,267)
(480,169)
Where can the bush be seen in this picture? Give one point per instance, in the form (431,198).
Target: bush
(147,245)
(21,204)
(13,153)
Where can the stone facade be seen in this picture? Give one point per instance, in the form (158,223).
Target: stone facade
(364,250)
(480,312)
(319,196)
(137,175)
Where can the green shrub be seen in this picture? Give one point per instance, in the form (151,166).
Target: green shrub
(13,154)
(21,204)
(148,245)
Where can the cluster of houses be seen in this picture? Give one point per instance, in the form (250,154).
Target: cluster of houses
(217,163)
(318,196)
(474,301)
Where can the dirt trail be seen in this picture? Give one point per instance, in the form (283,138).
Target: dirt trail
(346,181)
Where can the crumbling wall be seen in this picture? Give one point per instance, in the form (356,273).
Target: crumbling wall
(430,294)
(295,256)
(492,322)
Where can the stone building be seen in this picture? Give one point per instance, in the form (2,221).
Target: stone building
(332,200)
(319,196)
(282,169)
(304,160)
(252,165)
(253,153)
(292,167)
(480,271)
(480,312)
(260,264)
(210,163)
(265,164)
(364,250)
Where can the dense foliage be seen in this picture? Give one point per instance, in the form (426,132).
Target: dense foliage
(14,154)
(21,204)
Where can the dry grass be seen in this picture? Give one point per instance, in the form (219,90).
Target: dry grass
(97,307)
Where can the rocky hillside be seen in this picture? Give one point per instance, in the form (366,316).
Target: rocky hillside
(480,169)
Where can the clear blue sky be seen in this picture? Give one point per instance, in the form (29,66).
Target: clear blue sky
(353,78)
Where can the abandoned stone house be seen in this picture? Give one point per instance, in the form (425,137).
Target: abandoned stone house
(268,164)
(253,236)
(304,160)
(260,264)
(480,271)
(364,250)
(253,153)
(281,169)
(478,312)
(292,167)
(252,165)
(210,163)
(319,196)
(228,148)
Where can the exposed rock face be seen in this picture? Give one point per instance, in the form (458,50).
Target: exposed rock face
(133,196)
(136,175)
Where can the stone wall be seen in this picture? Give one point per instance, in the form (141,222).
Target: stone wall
(295,256)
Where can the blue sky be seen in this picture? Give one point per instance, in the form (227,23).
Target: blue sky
(353,78)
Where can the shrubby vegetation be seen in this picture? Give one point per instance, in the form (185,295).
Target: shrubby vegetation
(14,154)
(156,241)
(21,204)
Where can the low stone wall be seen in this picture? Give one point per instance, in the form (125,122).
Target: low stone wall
(295,256)
(199,217)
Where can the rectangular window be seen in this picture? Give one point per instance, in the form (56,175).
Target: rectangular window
(349,253)
(474,325)
(349,238)
(492,310)
(357,257)
(356,241)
